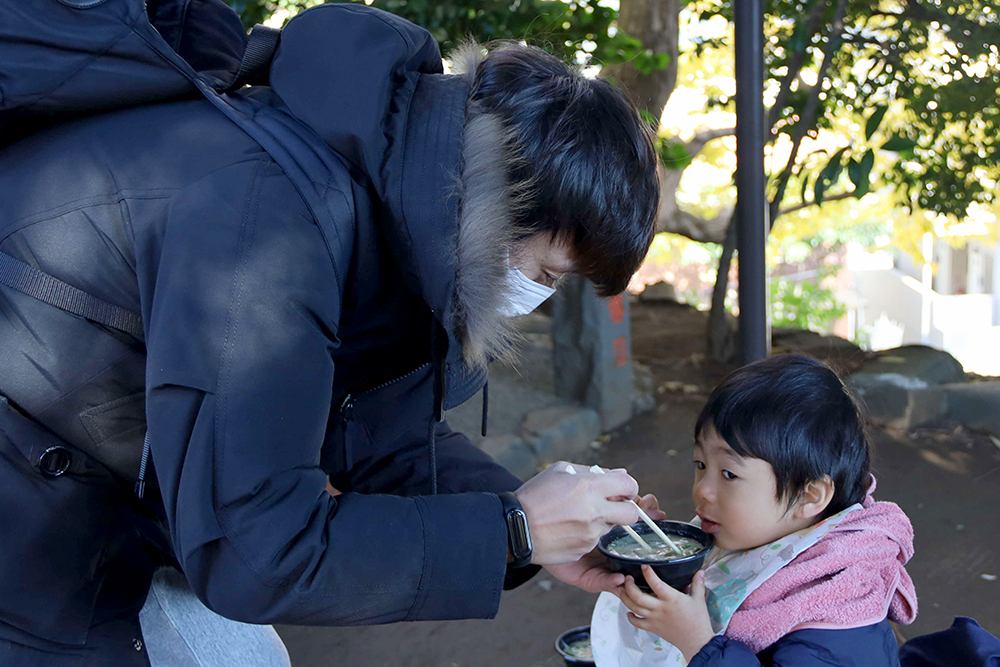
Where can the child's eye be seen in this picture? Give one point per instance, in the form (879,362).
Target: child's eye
(699,465)
(728,475)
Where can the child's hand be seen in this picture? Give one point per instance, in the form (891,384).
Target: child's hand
(680,619)
(650,506)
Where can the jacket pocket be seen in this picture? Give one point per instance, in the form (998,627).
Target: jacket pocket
(61,516)
(117,429)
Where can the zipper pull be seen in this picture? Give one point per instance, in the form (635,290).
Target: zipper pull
(346,406)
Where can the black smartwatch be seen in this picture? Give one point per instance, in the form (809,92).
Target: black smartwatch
(518,537)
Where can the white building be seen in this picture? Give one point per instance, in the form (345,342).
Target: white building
(952,304)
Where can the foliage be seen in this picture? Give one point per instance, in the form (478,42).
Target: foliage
(921,76)
(580,30)
(807,303)
(673,154)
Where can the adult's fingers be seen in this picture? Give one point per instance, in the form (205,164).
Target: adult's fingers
(618,513)
(604,581)
(614,484)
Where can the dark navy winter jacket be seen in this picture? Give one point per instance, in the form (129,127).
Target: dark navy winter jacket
(277,352)
(870,646)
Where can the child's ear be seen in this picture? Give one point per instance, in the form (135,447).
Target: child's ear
(815,498)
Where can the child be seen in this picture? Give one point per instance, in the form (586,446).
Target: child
(808,566)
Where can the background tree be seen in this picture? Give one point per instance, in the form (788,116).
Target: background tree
(921,77)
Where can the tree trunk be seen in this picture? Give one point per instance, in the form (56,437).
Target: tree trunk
(721,339)
(655,23)
(722,336)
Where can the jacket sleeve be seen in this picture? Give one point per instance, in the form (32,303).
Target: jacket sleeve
(403,467)
(241,303)
(464,467)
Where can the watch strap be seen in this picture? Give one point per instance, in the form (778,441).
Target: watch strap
(518,536)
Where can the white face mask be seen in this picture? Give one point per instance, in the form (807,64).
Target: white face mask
(524,294)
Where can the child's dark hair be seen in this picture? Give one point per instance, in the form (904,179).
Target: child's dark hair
(794,413)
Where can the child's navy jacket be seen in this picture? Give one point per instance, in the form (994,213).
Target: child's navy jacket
(870,646)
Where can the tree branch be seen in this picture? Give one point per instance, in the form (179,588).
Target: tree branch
(812,105)
(699,140)
(799,207)
(794,67)
(670,217)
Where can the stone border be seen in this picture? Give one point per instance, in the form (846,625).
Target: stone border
(546,436)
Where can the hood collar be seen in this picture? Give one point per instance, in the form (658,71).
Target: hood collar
(445,185)
(402,125)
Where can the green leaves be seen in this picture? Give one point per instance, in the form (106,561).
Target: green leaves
(805,304)
(831,172)
(862,175)
(673,154)
(874,121)
(859,171)
(898,143)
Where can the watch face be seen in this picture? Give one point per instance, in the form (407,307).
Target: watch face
(520,539)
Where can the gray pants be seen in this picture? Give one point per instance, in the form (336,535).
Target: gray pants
(182,632)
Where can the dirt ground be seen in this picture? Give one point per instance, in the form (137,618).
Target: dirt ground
(946,480)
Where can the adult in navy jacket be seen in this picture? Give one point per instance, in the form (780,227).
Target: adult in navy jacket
(278,353)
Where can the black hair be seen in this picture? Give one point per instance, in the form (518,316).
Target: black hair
(796,414)
(585,168)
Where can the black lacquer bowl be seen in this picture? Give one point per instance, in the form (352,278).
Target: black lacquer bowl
(676,572)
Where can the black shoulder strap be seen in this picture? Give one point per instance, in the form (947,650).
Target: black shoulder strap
(37,284)
(256,63)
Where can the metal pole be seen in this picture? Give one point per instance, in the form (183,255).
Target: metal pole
(751,197)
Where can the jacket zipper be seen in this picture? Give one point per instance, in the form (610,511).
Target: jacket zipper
(140,484)
(348,403)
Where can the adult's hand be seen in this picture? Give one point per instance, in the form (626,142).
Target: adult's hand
(591,572)
(568,513)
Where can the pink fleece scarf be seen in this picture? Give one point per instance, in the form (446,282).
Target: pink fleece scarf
(853,577)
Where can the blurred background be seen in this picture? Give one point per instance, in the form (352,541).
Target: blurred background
(881,156)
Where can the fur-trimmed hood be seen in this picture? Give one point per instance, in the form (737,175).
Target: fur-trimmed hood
(438,171)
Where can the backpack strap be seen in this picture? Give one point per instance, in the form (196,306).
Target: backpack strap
(48,289)
(256,64)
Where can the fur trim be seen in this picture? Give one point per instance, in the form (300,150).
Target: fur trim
(485,231)
(466,58)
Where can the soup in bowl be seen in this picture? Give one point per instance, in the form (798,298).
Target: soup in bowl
(625,555)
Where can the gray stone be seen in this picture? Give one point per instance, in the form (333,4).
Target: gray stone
(925,406)
(975,405)
(661,291)
(592,351)
(902,387)
(808,342)
(513,392)
(886,397)
(512,453)
(644,398)
(919,362)
(561,432)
